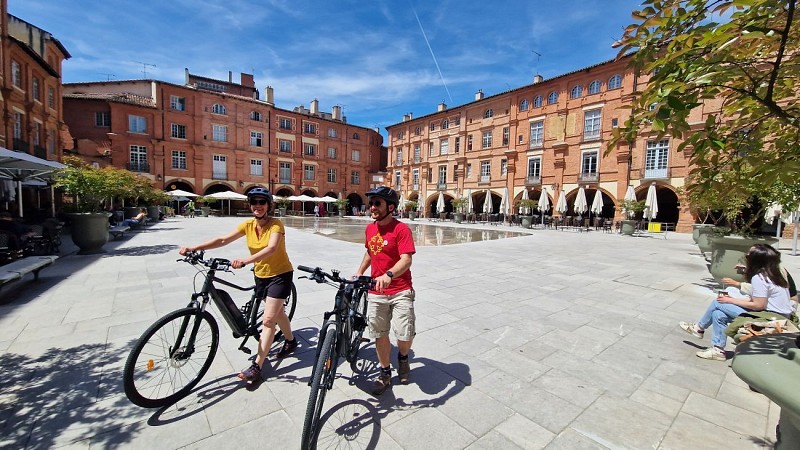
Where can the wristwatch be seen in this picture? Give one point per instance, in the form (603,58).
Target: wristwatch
(389,274)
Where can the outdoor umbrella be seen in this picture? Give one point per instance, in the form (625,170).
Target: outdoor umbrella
(179,195)
(487,202)
(630,195)
(22,166)
(505,205)
(561,205)
(597,203)
(651,203)
(525,196)
(544,203)
(580,205)
(440,204)
(470,206)
(227,195)
(401,205)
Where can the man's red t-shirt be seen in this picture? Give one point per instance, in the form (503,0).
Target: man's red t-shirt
(385,244)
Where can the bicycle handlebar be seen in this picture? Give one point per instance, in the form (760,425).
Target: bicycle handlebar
(319,275)
(195,258)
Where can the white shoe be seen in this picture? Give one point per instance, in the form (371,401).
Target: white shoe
(691,328)
(714,353)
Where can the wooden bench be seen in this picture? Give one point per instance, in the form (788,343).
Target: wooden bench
(16,270)
(118,230)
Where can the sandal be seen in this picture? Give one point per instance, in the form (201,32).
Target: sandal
(288,348)
(252,373)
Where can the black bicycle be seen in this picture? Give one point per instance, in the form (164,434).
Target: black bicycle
(341,336)
(174,353)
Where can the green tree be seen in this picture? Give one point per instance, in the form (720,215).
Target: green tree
(737,61)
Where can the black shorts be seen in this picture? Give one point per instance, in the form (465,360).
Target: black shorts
(279,286)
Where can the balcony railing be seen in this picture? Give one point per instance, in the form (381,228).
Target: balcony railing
(417,159)
(219,174)
(486,178)
(286,180)
(441,186)
(530,181)
(588,177)
(20,145)
(415,187)
(653,174)
(138,167)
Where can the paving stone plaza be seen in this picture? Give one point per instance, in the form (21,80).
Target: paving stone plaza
(554,339)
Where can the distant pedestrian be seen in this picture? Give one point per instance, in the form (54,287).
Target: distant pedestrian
(190,209)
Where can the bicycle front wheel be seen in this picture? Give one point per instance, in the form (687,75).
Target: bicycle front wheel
(321,378)
(170,358)
(356,323)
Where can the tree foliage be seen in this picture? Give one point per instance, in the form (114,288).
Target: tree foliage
(737,62)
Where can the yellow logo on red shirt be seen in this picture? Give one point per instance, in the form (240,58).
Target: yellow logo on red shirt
(376,244)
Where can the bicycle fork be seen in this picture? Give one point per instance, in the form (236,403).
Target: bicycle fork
(327,327)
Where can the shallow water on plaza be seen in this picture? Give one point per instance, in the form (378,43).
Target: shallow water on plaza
(352,230)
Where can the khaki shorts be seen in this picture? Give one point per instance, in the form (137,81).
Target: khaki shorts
(392,311)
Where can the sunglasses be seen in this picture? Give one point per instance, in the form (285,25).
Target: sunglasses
(258,201)
(374,203)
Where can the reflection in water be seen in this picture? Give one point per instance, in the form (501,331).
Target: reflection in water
(352,230)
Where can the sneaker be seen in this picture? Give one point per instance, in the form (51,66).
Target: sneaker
(403,368)
(714,353)
(691,328)
(384,381)
(252,373)
(287,349)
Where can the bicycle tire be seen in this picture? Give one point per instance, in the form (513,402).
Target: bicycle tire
(159,379)
(355,324)
(289,305)
(324,369)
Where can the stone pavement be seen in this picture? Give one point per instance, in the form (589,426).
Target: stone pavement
(554,340)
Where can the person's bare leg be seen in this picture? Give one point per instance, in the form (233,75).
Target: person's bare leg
(383,348)
(403,347)
(273,308)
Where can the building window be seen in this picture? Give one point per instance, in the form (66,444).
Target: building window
(486,171)
(220,133)
(415,179)
(331,153)
(51,97)
(355,155)
(576,92)
(284,123)
(331,132)
(431,149)
(523,105)
(469,142)
(256,167)
(16,74)
(589,164)
(355,177)
(138,158)
(255,116)
(417,153)
(444,146)
(178,159)
(489,113)
(51,142)
(285,172)
(397,180)
(399,157)
(418,131)
(218,109)
(310,150)
(469,170)
(537,101)
(594,87)
(178,131)
(534,169)
(591,124)
(219,167)
(503,167)
(177,103)
(35,91)
(356,136)
(309,172)
(505,136)
(445,124)
(17,125)
(399,135)
(331,175)
(432,126)
(137,124)
(102,119)
(310,128)
(256,139)
(455,173)
(615,82)
(537,133)
(442,176)
(458,144)
(37,133)
(285,146)
(656,159)
(487,139)
(552,98)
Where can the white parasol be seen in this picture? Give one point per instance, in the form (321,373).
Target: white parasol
(597,203)
(544,204)
(651,203)
(580,205)
(561,205)
(524,210)
(487,202)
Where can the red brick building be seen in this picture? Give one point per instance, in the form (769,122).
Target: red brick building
(549,136)
(213,135)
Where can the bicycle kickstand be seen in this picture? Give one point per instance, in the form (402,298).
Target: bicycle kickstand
(243,348)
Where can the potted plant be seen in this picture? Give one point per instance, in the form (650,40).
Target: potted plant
(411,209)
(341,205)
(527,206)
(630,208)
(281,205)
(205,209)
(459,209)
(90,187)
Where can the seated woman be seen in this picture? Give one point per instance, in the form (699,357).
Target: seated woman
(770,292)
(136,220)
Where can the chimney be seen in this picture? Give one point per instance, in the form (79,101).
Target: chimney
(315,106)
(337,112)
(479,94)
(537,78)
(406,118)
(410,116)
(270,95)
(230,77)
(247,80)
(186,76)
(442,107)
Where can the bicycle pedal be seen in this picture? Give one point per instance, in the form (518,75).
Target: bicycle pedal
(245,350)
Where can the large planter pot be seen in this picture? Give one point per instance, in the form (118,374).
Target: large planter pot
(412,215)
(153,212)
(341,212)
(628,227)
(458,217)
(89,232)
(205,211)
(696,230)
(728,251)
(281,212)
(526,221)
(704,235)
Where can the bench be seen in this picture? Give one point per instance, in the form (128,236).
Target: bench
(118,230)
(16,270)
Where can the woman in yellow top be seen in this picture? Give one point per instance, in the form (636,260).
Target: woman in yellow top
(273,273)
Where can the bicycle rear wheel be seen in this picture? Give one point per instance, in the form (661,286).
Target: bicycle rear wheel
(289,305)
(356,323)
(321,379)
(170,358)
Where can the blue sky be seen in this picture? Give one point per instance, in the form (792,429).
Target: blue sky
(369,56)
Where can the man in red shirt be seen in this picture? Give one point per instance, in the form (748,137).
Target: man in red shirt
(390,246)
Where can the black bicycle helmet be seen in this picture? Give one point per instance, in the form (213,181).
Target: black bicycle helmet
(386,193)
(260,192)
